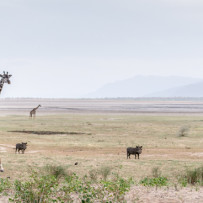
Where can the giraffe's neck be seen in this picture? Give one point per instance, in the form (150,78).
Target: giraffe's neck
(1,85)
(37,107)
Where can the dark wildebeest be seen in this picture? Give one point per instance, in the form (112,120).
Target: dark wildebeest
(21,147)
(136,151)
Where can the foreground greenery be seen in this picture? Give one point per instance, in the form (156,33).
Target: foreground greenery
(55,184)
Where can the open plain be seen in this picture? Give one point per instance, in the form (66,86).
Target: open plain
(96,133)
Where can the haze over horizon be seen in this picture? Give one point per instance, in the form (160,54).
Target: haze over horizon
(69,48)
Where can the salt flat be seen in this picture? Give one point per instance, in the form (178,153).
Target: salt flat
(63,106)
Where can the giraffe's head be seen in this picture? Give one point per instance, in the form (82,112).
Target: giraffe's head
(5,77)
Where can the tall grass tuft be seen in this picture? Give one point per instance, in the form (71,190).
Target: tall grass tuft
(105,171)
(195,176)
(156,172)
(183,131)
(93,175)
(192,176)
(56,171)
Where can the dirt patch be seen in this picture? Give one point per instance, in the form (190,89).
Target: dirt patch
(3,149)
(200,154)
(164,195)
(7,145)
(4,199)
(32,152)
(48,132)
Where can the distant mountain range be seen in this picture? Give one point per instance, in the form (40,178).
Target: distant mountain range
(192,90)
(151,86)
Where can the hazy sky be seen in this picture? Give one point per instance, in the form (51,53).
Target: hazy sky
(67,48)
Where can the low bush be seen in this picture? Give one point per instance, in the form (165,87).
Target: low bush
(158,181)
(5,185)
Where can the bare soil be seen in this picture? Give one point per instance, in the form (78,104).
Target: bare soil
(141,194)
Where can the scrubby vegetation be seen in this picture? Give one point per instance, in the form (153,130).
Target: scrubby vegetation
(52,184)
(56,184)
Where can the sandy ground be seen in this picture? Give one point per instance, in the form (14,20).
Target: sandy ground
(160,154)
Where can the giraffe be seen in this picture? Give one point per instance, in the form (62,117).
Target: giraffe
(33,112)
(5,78)
(1,166)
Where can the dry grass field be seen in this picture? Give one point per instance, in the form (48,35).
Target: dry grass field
(97,139)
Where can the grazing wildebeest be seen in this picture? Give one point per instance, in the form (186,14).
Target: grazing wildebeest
(21,147)
(136,151)
(1,167)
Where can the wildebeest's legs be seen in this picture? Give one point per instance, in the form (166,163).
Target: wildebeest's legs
(138,156)
(135,156)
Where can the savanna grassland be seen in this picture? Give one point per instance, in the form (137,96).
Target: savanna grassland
(99,139)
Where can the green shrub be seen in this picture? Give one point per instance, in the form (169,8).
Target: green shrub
(4,185)
(159,181)
(119,186)
(36,189)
